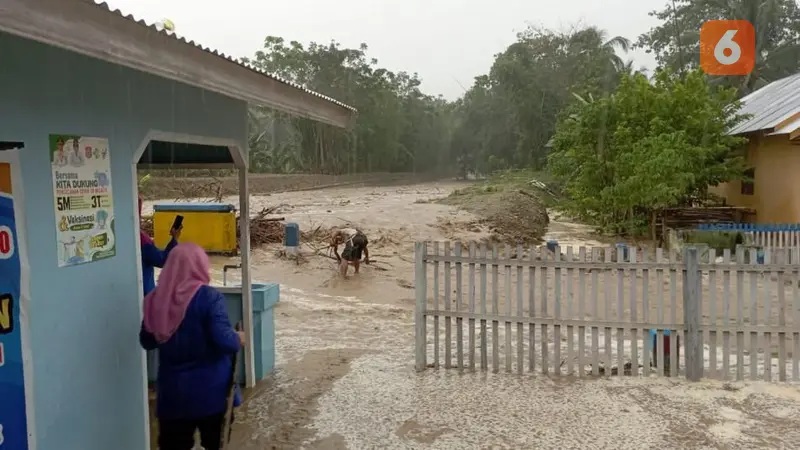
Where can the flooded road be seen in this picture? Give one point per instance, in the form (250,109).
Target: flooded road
(345,377)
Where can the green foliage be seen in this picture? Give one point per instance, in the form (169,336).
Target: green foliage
(676,42)
(717,240)
(647,146)
(507,118)
(398,129)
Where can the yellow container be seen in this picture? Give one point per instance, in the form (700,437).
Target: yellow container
(209,225)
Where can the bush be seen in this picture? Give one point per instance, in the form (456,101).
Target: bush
(718,240)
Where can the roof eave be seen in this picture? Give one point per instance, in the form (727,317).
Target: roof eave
(108,36)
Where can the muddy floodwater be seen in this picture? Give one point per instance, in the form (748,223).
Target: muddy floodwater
(345,375)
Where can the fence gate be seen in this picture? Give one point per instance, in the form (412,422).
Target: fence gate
(607,311)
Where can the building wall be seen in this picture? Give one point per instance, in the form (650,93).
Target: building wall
(776,196)
(88,368)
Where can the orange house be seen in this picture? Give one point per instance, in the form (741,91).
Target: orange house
(772,153)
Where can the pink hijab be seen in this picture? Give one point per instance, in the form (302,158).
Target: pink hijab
(143,237)
(184,273)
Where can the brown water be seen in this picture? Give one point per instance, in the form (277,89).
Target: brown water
(345,376)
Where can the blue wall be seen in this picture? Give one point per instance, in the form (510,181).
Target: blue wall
(84,320)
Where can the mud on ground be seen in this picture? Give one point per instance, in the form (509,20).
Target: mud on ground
(512,214)
(160,186)
(345,377)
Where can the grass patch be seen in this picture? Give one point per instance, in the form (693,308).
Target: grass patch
(718,240)
(506,181)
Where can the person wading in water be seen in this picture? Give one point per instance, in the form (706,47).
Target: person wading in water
(355,243)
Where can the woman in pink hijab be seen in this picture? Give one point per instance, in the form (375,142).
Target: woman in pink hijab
(186,320)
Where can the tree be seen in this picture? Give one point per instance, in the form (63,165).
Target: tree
(509,115)
(399,128)
(649,145)
(676,42)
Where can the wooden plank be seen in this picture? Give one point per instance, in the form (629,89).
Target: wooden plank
(620,313)
(459,308)
(782,318)
(726,307)
(692,299)
(550,321)
(436,307)
(570,328)
(634,315)
(495,311)
(557,302)
(769,255)
(448,332)
(421,294)
(581,313)
(753,316)
(660,316)
(674,338)
(508,301)
(609,265)
(796,315)
(739,314)
(595,287)
(712,316)
(543,305)
(531,311)
(520,326)
(483,331)
(471,288)
(646,363)
(607,332)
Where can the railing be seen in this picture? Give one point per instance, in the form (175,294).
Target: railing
(772,236)
(598,310)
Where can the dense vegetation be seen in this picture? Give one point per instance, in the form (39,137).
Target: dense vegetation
(399,128)
(623,142)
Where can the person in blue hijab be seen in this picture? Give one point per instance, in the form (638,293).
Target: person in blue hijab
(152,256)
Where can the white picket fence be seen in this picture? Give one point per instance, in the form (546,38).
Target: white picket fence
(591,311)
(775,239)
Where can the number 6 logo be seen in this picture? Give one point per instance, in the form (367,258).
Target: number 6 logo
(727,47)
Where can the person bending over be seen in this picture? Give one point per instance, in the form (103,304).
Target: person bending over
(355,243)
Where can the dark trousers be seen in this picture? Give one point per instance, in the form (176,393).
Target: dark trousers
(179,434)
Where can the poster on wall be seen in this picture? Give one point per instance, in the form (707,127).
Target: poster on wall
(13,419)
(83,202)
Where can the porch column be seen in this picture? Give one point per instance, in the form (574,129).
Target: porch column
(247,293)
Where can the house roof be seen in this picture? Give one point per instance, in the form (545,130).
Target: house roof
(775,108)
(122,39)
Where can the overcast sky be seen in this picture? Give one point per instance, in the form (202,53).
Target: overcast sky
(446,42)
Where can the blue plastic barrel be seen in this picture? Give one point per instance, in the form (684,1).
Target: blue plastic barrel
(669,345)
(622,248)
(291,235)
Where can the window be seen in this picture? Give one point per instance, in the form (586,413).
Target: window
(748,183)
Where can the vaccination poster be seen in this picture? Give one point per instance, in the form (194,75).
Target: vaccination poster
(83,201)
(13,420)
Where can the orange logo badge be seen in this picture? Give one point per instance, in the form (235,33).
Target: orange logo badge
(727,47)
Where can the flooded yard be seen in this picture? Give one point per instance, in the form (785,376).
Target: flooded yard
(345,375)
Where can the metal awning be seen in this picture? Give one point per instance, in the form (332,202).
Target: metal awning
(771,108)
(91,29)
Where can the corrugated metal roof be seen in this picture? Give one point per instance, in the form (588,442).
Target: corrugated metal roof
(770,105)
(118,12)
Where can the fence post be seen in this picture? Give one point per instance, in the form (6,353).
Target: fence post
(421,290)
(693,341)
